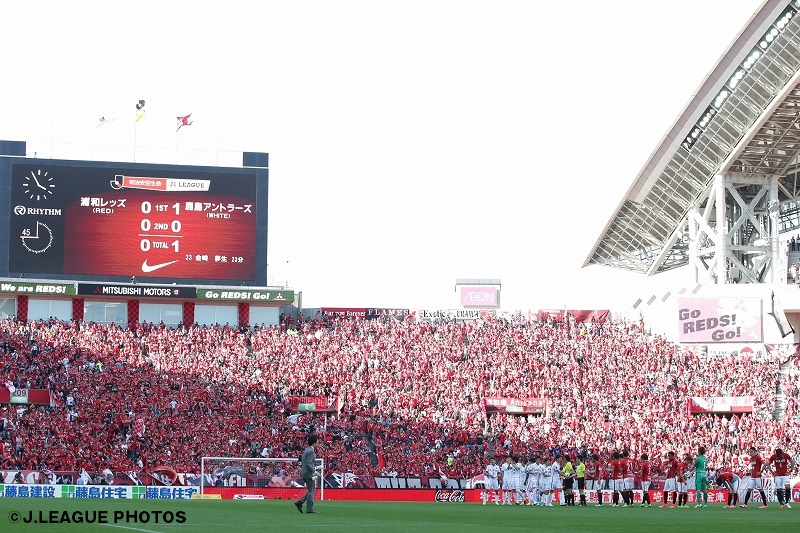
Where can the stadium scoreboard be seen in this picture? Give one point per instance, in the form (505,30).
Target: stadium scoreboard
(107,221)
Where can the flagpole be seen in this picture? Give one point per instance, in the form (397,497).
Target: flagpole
(139,114)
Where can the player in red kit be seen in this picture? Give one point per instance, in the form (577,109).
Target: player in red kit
(644,474)
(781,462)
(730,481)
(680,482)
(617,471)
(756,466)
(628,475)
(597,479)
(671,467)
(591,473)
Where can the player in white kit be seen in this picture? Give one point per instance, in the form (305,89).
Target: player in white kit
(492,481)
(533,470)
(509,480)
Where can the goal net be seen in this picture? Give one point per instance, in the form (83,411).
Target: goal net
(256,477)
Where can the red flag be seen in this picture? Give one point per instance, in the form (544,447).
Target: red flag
(184,121)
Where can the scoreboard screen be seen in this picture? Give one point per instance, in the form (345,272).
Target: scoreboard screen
(148,221)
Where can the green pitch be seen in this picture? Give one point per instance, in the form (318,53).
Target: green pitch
(20,515)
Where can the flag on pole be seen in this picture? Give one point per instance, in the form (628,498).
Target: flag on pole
(139,110)
(184,121)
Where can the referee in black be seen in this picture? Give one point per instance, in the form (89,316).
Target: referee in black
(580,472)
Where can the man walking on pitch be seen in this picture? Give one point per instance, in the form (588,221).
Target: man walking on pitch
(308,463)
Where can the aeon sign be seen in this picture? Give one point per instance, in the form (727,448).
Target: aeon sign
(479,296)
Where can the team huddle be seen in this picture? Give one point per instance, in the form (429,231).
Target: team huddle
(538,480)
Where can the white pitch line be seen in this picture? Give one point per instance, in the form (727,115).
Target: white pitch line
(133,528)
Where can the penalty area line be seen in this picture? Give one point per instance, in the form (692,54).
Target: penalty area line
(133,528)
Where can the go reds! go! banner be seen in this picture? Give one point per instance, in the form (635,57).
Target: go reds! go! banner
(707,320)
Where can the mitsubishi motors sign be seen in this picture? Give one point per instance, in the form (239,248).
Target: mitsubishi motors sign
(476,296)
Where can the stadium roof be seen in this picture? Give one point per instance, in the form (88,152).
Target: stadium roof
(745,117)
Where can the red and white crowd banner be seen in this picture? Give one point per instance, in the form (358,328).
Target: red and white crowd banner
(398,313)
(344,312)
(454,314)
(320,404)
(519,406)
(726,350)
(578,315)
(26,396)
(709,320)
(368,313)
(699,405)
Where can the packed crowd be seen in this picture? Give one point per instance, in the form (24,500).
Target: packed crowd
(135,399)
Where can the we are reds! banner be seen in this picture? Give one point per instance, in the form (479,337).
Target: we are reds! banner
(706,320)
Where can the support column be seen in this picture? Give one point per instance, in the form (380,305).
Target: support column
(694,246)
(721,230)
(22,308)
(133,314)
(188,314)
(244,314)
(777,268)
(78,309)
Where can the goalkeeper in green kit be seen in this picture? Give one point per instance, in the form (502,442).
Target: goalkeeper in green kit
(700,477)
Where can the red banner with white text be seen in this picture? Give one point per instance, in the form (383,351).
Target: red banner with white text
(699,405)
(579,315)
(25,396)
(317,404)
(516,406)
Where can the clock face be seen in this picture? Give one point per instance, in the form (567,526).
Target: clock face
(37,239)
(38,185)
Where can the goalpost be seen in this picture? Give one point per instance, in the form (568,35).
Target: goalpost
(250,473)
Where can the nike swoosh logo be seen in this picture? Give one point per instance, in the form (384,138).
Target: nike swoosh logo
(150,268)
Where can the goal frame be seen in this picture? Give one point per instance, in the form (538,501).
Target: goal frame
(320,468)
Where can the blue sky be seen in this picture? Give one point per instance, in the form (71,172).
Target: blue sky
(411,143)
